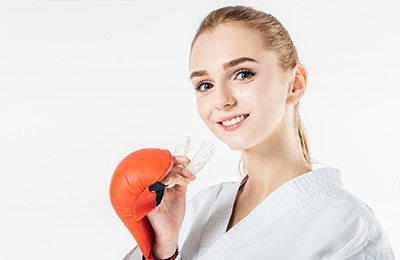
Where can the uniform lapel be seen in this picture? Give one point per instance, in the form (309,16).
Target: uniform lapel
(221,213)
(218,244)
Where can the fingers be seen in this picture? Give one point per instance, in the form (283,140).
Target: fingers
(175,179)
(182,171)
(179,160)
(178,175)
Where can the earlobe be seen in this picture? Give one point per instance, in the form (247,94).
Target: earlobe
(298,85)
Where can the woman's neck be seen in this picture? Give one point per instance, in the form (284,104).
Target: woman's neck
(273,162)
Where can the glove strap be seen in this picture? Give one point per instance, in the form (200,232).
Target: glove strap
(158,188)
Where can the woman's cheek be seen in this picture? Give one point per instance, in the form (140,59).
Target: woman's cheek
(202,111)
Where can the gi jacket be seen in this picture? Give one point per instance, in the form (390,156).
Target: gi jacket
(308,217)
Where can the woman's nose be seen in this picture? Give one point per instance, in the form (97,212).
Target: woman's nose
(223,97)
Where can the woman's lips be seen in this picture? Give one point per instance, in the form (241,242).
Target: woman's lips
(234,126)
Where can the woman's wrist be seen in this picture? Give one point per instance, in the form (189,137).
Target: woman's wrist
(172,257)
(164,249)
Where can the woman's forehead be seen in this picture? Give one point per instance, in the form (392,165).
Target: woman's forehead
(227,59)
(225,43)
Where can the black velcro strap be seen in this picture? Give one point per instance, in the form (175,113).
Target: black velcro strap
(158,188)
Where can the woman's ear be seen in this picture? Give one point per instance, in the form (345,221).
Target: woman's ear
(298,85)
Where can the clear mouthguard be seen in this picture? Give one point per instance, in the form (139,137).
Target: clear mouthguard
(200,159)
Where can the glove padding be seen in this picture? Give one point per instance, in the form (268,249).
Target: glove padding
(136,190)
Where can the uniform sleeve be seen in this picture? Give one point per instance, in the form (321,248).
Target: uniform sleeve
(377,245)
(134,254)
(369,242)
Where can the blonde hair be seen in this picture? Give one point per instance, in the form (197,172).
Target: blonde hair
(275,37)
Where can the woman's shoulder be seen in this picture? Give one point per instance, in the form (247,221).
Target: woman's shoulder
(207,198)
(346,202)
(341,206)
(211,192)
(333,195)
(353,221)
(349,206)
(200,205)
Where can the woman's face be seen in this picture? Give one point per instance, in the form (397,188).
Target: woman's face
(236,77)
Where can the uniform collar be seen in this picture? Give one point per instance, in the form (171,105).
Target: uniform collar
(218,243)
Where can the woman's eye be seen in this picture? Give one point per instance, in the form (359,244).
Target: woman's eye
(203,87)
(245,72)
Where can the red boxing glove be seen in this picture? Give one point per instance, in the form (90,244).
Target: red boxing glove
(135,191)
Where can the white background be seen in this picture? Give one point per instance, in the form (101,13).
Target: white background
(84,83)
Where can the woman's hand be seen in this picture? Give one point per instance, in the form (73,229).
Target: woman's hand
(166,219)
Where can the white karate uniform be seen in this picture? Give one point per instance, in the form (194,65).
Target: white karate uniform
(308,217)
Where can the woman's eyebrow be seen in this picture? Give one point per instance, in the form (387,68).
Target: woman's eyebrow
(226,66)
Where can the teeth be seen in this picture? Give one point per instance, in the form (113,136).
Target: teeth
(233,121)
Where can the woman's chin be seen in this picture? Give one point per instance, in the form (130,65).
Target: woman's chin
(236,148)
(234,144)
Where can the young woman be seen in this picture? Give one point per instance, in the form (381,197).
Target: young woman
(248,82)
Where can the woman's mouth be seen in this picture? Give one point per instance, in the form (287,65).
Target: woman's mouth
(234,123)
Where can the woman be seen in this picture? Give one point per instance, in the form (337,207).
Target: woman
(248,83)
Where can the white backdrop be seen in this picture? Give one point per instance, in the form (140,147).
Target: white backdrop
(84,83)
